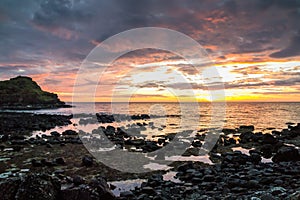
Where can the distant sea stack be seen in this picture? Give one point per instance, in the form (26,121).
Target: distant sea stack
(23,93)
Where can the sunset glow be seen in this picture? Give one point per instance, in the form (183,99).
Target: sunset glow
(254,47)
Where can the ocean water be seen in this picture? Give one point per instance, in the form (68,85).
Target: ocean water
(230,115)
(171,118)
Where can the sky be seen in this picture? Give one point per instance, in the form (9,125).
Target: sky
(253,44)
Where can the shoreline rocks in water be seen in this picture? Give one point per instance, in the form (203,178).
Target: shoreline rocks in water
(22,93)
(234,174)
(19,124)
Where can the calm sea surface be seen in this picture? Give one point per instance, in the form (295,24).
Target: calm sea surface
(261,115)
(175,118)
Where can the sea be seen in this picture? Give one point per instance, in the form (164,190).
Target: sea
(265,116)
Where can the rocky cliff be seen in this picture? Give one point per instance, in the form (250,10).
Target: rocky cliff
(23,93)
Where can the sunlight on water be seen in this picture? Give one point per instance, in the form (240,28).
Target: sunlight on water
(261,115)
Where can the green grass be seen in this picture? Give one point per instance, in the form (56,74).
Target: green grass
(24,91)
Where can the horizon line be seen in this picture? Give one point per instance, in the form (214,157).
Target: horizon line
(184,102)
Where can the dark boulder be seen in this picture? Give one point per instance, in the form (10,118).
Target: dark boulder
(78,180)
(69,132)
(36,163)
(105,118)
(60,161)
(110,130)
(97,189)
(246,136)
(267,150)
(9,188)
(87,161)
(55,133)
(255,158)
(269,139)
(145,116)
(244,129)
(285,154)
(38,187)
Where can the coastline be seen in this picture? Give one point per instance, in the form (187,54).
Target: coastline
(64,157)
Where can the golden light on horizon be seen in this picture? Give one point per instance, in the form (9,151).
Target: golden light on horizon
(163,81)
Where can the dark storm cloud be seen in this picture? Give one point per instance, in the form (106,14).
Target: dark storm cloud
(63,30)
(293,49)
(53,12)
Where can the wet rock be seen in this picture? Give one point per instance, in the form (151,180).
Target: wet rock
(145,116)
(267,196)
(19,124)
(59,172)
(277,190)
(227,131)
(161,141)
(110,130)
(252,184)
(150,146)
(100,186)
(246,136)
(191,152)
(244,129)
(17,148)
(55,133)
(296,128)
(233,182)
(196,143)
(235,158)
(208,178)
(38,187)
(60,161)
(96,189)
(185,166)
(286,154)
(255,158)
(148,190)
(127,194)
(18,142)
(232,141)
(46,162)
(69,132)
(267,150)
(294,196)
(104,118)
(76,193)
(9,188)
(36,163)
(87,161)
(78,180)
(269,139)
(136,142)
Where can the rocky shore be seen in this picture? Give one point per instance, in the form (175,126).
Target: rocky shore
(14,124)
(246,164)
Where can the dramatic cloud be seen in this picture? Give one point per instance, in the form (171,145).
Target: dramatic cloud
(293,49)
(48,39)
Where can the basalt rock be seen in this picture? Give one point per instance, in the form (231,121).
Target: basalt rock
(286,154)
(46,187)
(32,186)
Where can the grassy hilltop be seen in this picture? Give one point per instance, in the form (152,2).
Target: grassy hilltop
(23,93)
